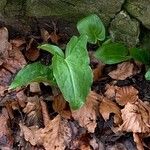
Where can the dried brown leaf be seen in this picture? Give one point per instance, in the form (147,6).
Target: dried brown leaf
(97,72)
(16,60)
(18,42)
(61,106)
(138,141)
(4,44)
(5,77)
(35,87)
(136,118)
(124,70)
(56,135)
(110,91)
(33,111)
(86,115)
(107,107)
(45,34)
(6,139)
(126,94)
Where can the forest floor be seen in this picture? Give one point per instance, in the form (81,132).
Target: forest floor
(116,115)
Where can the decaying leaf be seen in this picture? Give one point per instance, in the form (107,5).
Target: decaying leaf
(124,70)
(126,94)
(18,42)
(4,44)
(33,111)
(110,91)
(86,115)
(97,72)
(44,34)
(35,87)
(15,61)
(32,52)
(5,77)
(61,106)
(107,107)
(136,118)
(56,135)
(138,141)
(6,139)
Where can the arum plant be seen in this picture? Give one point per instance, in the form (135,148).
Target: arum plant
(70,71)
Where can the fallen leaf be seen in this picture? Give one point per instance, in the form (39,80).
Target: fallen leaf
(126,94)
(5,77)
(117,146)
(124,70)
(54,37)
(136,118)
(61,106)
(18,42)
(110,91)
(32,52)
(97,72)
(56,135)
(4,44)
(138,141)
(107,107)
(15,61)
(45,35)
(87,115)
(33,111)
(35,87)
(6,139)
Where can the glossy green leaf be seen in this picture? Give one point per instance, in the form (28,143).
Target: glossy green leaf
(73,74)
(52,49)
(93,27)
(147,75)
(35,72)
(112,53)
(140,55)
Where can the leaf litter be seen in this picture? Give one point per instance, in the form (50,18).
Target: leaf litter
(107,119)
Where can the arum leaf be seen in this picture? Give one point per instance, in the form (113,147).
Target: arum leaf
(35,72)
(140,55)
(52,49)
(93,27)
(73,74)
(112,53)
(147,75)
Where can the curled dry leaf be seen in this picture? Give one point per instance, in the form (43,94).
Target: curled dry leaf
(138,141)
(4,44)
(32,52)
(6,140)
(87,115)
(110,91)
(126,94)
(97,72)
(35,87)
(136,118)
(18,42)
(107,107)
(61,106)
(33,110)
(44,34)
(124,70)
(56,135)
(15,61)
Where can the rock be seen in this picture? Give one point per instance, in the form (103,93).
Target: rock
(73,10)
(140,9)
(124,29)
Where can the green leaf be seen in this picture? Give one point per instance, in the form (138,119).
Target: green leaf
(112,53)
(140,55)
(52,49)
(73,74)
(93,27)
(35,72)
(147,75)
